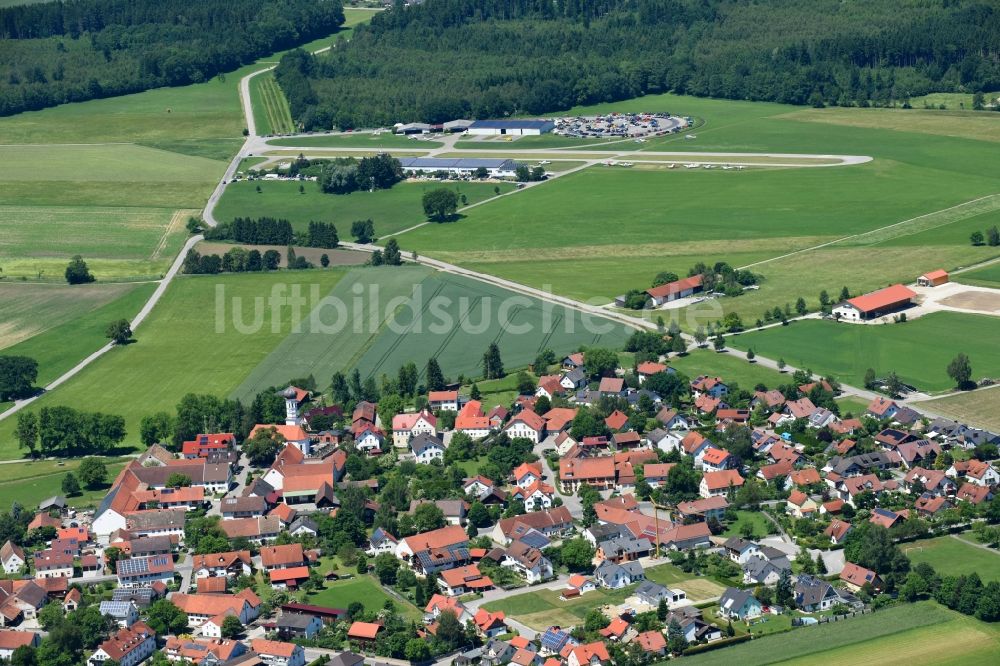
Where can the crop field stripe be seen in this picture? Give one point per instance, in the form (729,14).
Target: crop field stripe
(994,204)
(276,105)
(548,336)
(400,337)
(454,331)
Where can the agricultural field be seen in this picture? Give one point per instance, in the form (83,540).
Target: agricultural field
(980,407)
(953,556)
(57,325)
(375,141)
(456,320)
(270,108)
(177,349)
(730,368)
(987,276)
(785,222)
(392,210)
(846,351)
(363,589)
(922,633)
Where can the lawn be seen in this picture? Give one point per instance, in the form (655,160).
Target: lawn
(37,481)
(845,351)
(363,589)
(730,368)
(950,556)
(852,405)
(456,320)
(922,633)
(541,609)
(58,325)
(698,588)
(375,141)
(980,408)
(761,525)
(190,343)
(498,391)
(392,210)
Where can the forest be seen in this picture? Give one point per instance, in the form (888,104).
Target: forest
(74,50)
(447,59)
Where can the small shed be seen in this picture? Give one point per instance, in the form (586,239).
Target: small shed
(934,278)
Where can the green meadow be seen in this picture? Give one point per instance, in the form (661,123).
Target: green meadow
(919,350)
(392,210)
(987,276)
(951,556)
(784,223)
(58,325)
(186,345)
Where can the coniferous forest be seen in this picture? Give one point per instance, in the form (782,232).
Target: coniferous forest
(74,50)
(446,59)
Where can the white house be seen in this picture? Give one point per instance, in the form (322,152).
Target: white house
(526,424)
(125,648)
(407,426)
(427,448)
(12,558)
(369,440)
(444,401)
(13,639)
(278,653)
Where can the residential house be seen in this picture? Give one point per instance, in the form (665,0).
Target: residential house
(551,523)
(526,424)
(12,557)
(527,561)
(228,564)
(739,604)
(278,653)
(856,577)
(615,576)
(407,426)
(720,483)
(444,401)
(589,654)
(472,421)
(740,550)
(125,613)
(801,505)
(711,386)
(298,625)
(462,580)
(974,471)
(652,594)
(427,448)
(282,557)
(12,639)
(837,531)
(489,625)
(814,594)
(126,647)
(703,509)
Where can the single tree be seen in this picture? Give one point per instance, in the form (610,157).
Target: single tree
(800,306)
(781,365)
(719,342)
(993,236)
(324,260)
(77,271)
(492,363)
(435,378)
(960,369)
(977,238)
(70,486)
(475,393)
(440,204)
(391,254)
(699,335)
(93,472)
(120,332)
(870,378)
(27,432)
(750,355)
(231,627)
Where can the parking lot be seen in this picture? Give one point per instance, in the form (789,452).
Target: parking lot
(620,125)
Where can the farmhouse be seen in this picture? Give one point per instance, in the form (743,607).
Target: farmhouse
(873,305)
(511,127)
(464,166)
(672,291)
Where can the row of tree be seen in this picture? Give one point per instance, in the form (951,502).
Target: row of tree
(259,231)
(64,431)
(344,175)
(498,58)
(58,52)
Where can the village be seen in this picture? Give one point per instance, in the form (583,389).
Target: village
(617,516)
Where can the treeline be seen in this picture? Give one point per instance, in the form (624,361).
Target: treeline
(346,174)
(446,59)
(236,260)
(259,231)
(75,50)
(64,431)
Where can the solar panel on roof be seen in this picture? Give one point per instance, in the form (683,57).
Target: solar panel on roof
(535,539)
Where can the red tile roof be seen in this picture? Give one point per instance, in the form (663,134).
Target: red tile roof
(883,298)
(364,630)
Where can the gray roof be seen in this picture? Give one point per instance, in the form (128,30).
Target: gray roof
(576,375)
(245,504)
(626,545)
(346,659)
(57,501)
(156,519)
(422,442)
(809,591)
(650,591)
(733,598)
(304,522)
(117,609)
(738,544)
(295,620)
(151,544)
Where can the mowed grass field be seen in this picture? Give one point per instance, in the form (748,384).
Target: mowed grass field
(730,368)
(392,210)
(189,344)
(270,108)
(951,556)
(576,231)
(540,609)
(377,319)
(32,482)
(919,351)
(980,407)
(364,590)
(922,633)
(58,325)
